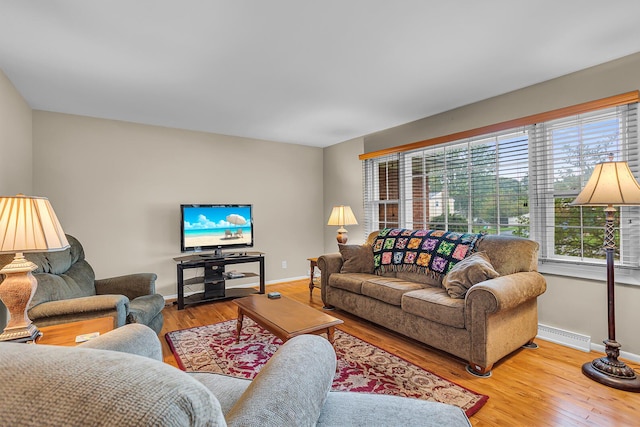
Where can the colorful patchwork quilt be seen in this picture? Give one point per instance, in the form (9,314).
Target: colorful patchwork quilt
(432,252)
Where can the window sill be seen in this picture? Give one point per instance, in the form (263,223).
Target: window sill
(622,276)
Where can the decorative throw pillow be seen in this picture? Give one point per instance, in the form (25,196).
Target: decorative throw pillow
(474,269)
(356,258)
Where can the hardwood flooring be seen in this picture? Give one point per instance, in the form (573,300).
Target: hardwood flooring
(542,387)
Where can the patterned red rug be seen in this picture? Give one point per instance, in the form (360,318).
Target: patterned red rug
(362,367)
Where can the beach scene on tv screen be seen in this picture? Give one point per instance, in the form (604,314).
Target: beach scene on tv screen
(217,226)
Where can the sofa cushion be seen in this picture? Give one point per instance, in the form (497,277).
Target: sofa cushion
(424,279)
(62,274)
(226,389)
(343,408)
(76,282)
(436,305)
(356,258)
(351,282)
(388,289)
(474,269)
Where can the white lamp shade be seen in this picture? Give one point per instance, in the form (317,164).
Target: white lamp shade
(611,183)
(29,224)
(341,216)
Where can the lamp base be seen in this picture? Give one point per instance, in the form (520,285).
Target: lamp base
(612,372)
(342,235)
(21,334)
(16,292)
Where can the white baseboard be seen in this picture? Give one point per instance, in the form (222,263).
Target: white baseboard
(566,338)
(577,341)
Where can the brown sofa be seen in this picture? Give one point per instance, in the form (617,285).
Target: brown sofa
(492,319)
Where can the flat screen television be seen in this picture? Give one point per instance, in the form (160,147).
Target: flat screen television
(215,227)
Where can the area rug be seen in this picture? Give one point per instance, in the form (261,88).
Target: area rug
(362,367)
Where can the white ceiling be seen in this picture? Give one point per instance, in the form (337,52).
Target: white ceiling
(299,71)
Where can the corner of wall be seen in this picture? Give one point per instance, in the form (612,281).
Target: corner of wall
(16,176)
(342,178)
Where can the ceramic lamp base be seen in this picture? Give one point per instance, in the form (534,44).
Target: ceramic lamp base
(16,292)
(342,236)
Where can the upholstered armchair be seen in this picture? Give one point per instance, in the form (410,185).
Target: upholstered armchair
(68,291)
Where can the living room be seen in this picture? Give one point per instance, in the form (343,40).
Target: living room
(117,185)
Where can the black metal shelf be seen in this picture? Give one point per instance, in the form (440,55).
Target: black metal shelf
(214,278)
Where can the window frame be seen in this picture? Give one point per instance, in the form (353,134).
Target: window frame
(537,226)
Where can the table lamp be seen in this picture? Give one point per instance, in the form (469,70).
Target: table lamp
(341,216)
(27,224)
(611,183)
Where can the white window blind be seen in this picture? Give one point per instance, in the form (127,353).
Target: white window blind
(382,192)
(517,181)
(479,184)
(564,153)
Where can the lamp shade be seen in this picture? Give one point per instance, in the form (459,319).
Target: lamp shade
(341,216)
(611,183)
(29,224)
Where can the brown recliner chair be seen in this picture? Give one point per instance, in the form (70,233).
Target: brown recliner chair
(68,291)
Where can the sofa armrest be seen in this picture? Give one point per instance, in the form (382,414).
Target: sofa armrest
(133,339)
(302,372)
(130,285)
(69,310)
(505,292)
(328,264)
(501,314)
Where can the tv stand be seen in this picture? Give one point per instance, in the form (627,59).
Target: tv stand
(215,276)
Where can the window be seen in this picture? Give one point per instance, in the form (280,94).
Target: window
(519,181)
(564,153)
(383,191)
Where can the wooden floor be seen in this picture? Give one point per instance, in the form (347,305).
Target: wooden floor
(542,387)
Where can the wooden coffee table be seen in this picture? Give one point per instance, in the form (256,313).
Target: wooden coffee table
(284,317)
(66,333)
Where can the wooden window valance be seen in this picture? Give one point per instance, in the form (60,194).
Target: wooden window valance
(612,101)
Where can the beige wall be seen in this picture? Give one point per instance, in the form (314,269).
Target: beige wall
(15,146)
(15,141)
(575,305)
(117,187)
(611,78)
(343,186)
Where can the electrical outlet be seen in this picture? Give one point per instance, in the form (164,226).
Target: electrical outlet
(284,264)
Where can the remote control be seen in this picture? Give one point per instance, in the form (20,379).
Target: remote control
(273,295)
(87,337)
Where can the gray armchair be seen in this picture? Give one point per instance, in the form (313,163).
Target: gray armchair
(68,291)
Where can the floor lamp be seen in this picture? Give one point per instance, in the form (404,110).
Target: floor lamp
(611,183)
(27,224)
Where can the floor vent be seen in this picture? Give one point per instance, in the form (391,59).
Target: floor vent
(566,338)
